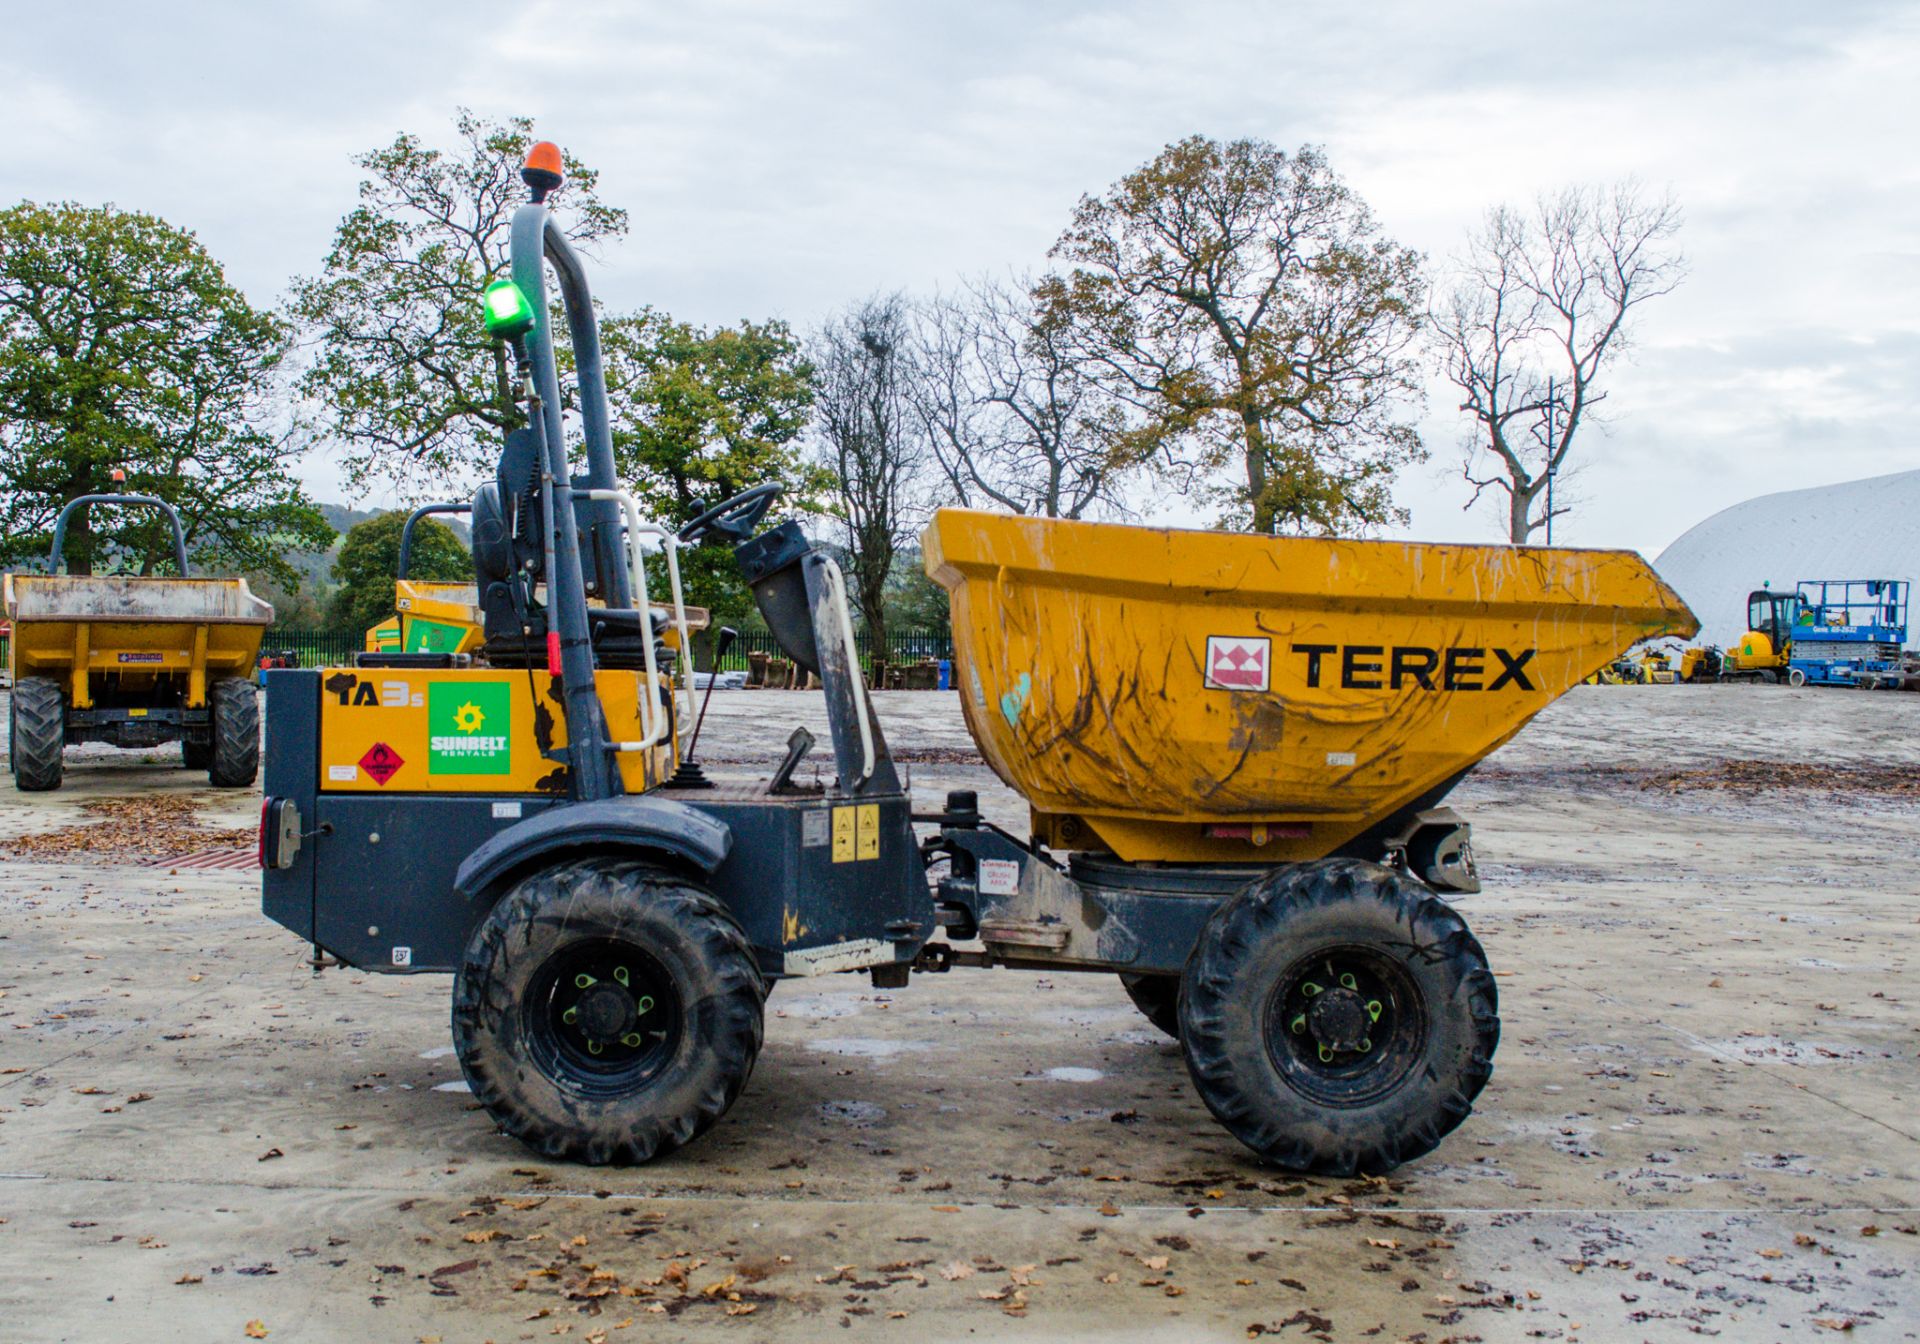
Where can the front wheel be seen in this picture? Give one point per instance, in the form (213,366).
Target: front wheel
(1338,1017)
(607,1011)
(37,719)
(233,758)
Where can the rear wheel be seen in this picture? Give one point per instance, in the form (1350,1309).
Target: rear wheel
(233,757)
(1158,999)
(1338,1017)
(607,1011)
(37,717)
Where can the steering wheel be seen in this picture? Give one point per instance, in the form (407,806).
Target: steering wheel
(733,519)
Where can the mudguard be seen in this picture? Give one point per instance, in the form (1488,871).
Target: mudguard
(640,824)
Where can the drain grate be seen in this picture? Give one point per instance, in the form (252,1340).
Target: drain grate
(224,857)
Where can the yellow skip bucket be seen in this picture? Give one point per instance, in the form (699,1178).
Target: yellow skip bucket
(1216,697)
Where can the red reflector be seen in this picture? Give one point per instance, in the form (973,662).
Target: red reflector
(553,653)
(1260,832)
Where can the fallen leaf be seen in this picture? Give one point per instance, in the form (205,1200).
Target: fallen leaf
(269,1155)
(480,1238)
(1772,1253)
(139,1097)
(1154,1262)
(255,1329)
(959,1269)
(189,1278)
(1107,1210)
(1109,1278)
(1384,1243)
(742,1308)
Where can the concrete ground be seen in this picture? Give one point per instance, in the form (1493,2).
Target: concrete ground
(1704,1120)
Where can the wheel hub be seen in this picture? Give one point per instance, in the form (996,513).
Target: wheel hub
(605,1012)
(1338,1019)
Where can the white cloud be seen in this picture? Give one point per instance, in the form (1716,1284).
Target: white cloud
(781,158)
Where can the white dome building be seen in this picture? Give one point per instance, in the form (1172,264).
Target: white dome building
(1855,530)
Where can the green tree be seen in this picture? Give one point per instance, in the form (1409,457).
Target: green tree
(369,559)
(1247,304)
(404,378)
(700,414)
(122,345)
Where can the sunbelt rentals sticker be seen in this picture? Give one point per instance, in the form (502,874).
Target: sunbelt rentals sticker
(469,728)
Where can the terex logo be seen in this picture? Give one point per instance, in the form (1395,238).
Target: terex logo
(1374,667)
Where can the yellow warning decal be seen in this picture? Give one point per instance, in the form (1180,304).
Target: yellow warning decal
(856,833)
(843,827)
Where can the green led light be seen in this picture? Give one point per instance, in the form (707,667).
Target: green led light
(509,315)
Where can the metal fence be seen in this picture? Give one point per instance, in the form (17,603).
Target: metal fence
(335,648)
(315,648)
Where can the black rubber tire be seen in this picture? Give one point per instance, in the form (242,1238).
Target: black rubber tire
(1158,999)
(558,1108)
(234,757)
(195,755)
(1421,1087)
(37,717)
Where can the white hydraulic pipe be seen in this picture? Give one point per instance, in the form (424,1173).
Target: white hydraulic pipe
(654,728)
(860,709)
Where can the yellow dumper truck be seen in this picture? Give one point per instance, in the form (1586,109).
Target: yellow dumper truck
(132,661)
(1235,749)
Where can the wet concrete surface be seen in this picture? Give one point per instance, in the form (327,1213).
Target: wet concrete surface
(1704,1119)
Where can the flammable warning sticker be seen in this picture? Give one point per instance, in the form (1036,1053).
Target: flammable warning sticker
(469,728)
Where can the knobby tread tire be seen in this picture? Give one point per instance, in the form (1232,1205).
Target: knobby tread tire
(715,974)
(234,758)
(1236,966)
(38,715)
(1158,999)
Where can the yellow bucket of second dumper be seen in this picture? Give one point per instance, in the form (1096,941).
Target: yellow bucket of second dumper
(1187,696)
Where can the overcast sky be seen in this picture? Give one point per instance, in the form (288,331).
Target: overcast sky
(780,157)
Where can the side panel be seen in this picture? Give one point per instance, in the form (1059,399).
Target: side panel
(386,900)
(376,886)
(400,730)
(812,873)
(292,770)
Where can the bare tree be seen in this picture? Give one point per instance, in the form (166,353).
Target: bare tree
(1541,310)
(1013,413)
(871,441)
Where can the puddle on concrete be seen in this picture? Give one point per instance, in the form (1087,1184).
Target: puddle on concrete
(1075,1074)
(438,1052)
(457,1085)
(867,1047)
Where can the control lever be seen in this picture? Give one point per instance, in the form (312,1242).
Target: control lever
(798,746)
(689,775)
